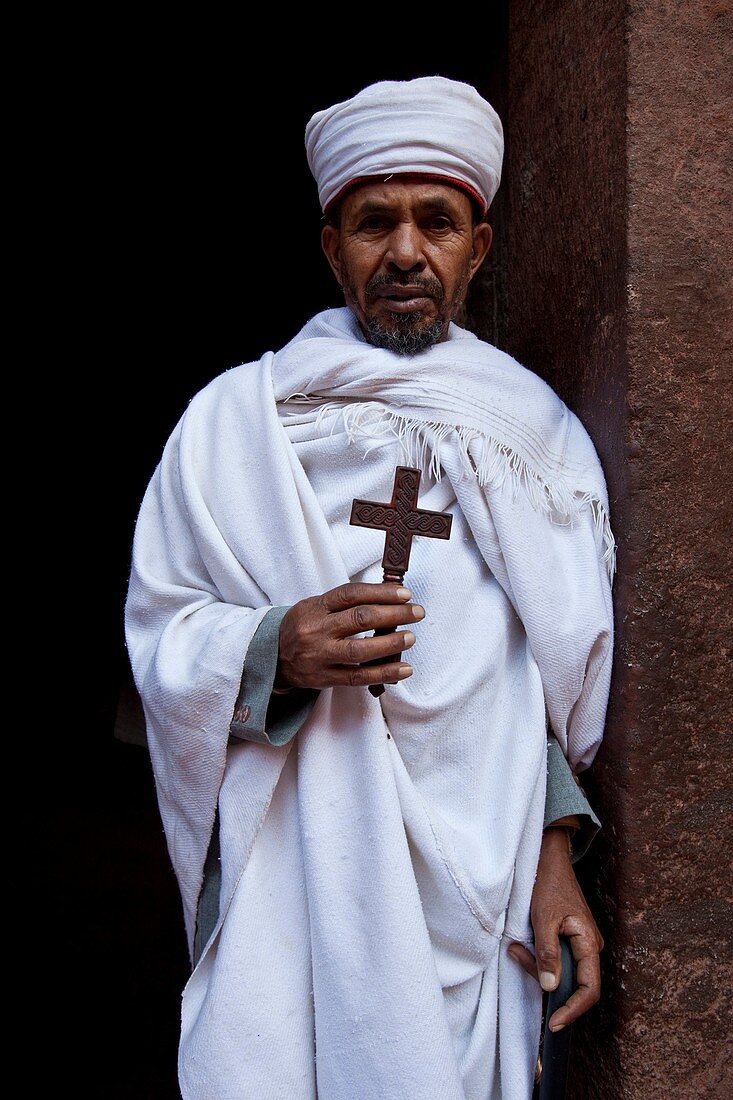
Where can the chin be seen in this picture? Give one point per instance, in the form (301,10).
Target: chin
(404,333)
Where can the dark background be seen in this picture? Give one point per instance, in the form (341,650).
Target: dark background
(198,225)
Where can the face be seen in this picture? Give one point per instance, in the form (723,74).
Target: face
(404,252)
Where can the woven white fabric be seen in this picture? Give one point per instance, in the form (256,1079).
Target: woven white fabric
(370,884)
(430,125)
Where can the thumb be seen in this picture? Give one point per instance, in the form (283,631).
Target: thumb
(547,952)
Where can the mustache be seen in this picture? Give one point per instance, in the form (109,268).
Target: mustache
(431,286)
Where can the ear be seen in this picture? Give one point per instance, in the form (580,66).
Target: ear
(482,237)
(331,245)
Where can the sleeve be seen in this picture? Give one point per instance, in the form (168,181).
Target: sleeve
(565,798)
(190,614)
(260,715)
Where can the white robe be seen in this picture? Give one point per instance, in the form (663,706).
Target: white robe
(370,883)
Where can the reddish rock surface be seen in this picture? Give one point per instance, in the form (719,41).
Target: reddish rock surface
(614,255)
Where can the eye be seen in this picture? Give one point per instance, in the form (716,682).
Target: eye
(373,223)
(439,223)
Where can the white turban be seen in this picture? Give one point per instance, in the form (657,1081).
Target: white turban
(431,126)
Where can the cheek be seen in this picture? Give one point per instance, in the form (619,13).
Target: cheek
(358,269)
(453,270)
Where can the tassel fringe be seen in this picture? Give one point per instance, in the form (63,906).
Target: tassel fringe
(492,463)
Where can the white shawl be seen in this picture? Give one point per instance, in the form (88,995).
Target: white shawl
(348,905)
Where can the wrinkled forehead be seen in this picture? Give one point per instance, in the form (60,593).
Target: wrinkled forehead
(406,189)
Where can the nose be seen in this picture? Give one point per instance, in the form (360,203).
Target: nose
(405,248)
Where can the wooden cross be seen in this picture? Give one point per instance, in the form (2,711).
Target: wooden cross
(401,520)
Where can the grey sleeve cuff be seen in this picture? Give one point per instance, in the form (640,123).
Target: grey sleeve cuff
(565,798)
(207,912)
(258,714)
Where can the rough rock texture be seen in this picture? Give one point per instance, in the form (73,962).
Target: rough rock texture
(613,250)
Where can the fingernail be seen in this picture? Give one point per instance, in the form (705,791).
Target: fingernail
(556,1027)
(418,612)
(408,638)
(404,593)
(404,671)
(547,981)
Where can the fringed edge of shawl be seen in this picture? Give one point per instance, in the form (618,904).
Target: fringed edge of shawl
(487,459)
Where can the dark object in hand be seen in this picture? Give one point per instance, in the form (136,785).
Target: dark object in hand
(555,1050)
(401,520)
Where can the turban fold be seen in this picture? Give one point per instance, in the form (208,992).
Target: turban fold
(430,126)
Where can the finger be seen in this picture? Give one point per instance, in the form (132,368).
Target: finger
(584,997)
(524,957)
(357,651)
(365,617)
(587,978)
(547,950)
(363,675)
(349,595)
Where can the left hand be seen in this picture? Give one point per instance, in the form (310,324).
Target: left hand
(559,909)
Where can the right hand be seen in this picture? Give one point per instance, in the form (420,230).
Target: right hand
(318,647)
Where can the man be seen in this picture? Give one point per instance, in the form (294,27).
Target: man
(360,872)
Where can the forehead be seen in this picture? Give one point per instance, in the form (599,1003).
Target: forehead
(406,193)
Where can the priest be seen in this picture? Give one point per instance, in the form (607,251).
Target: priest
(374,882)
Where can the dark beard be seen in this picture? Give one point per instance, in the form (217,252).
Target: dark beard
(401,339)
(405,336)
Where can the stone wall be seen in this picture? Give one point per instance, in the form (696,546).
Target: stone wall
(613,251)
